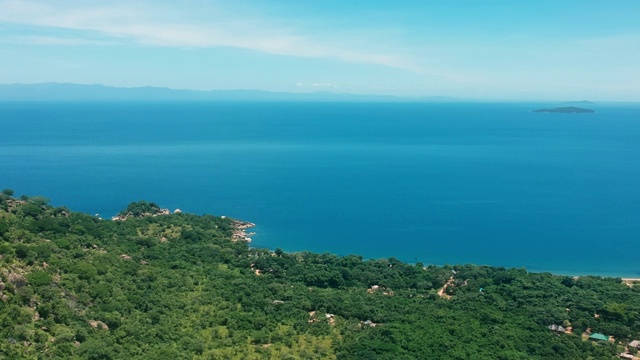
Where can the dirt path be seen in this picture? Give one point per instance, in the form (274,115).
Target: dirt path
(442,292)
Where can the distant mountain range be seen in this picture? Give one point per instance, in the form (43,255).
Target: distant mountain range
(78,92)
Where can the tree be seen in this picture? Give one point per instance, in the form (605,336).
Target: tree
(122,291)
(39,278)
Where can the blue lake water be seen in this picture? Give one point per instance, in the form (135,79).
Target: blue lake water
(436,183)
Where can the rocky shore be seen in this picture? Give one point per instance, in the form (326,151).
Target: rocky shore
(239,230)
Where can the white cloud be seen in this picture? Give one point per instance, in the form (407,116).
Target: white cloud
(55,41)
(157,26)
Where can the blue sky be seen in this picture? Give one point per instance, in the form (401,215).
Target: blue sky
(484,50)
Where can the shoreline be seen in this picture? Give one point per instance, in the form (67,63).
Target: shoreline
(240,228)
(625,277)
(240,233)
(631,281)
(260,240)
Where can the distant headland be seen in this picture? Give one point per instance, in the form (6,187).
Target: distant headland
(97,92)
(565,110)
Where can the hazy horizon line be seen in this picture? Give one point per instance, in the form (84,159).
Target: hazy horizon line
(391,97)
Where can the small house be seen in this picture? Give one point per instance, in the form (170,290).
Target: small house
(598,337)
(557,328)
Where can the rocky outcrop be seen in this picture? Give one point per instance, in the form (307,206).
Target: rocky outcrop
(97,324)
(18,280)
(123,217)
(239,233)
(140,209)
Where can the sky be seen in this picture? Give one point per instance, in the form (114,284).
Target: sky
(467,49)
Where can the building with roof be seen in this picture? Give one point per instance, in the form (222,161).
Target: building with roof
(598,337)
(556,328)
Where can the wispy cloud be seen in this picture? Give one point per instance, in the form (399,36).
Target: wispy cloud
(56,41)
(155,26)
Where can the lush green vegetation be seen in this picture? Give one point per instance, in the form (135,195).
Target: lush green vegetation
(141,209)
(176,286)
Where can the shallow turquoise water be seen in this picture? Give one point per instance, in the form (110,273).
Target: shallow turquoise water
(437,183)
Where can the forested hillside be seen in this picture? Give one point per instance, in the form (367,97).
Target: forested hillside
(177,286)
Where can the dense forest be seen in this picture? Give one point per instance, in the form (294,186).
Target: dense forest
(152,285)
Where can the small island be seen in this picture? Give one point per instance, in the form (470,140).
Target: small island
(565,110)
(578,102)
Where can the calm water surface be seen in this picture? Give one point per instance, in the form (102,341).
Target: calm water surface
(437,183)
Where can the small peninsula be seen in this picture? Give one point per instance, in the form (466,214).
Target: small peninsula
(158,285)
(565,110)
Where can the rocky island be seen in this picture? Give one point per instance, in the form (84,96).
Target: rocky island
(565,110)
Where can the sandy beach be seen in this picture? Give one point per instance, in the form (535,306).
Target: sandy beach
(631,281)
